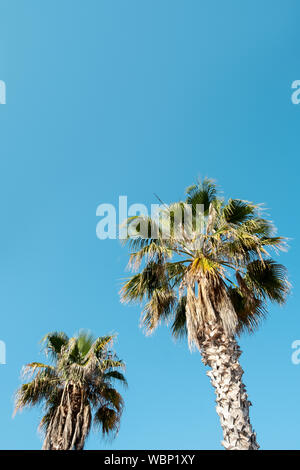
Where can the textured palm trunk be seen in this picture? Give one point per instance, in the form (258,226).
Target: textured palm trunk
(70,424)
(221,353)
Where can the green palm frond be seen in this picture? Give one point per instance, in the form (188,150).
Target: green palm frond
(101,345)
(249,309)
(158,308)
(237,211)
(112,363)
(54,342)
(279,243)
(175,272)
(142,285)
(38,390)
(85,341)
(258,226)
(202,193)
(179,328)
(154,251)
(268,280)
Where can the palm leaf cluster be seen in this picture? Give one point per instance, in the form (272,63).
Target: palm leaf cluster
(76,389)
(220,270)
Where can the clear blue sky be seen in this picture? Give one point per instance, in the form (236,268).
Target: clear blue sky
(133,98)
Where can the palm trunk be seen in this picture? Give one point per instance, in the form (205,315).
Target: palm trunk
(71,422)
(221,353)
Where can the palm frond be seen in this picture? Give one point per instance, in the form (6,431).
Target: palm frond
(268,279)
(115,375)
(85,341)
(154,251)
(107,419)
(36,391)
(249,309)
(179,329)
(202,193)
(33,367)
(142,285)
(237,211)
(158,308)
(113,398)
(54,342)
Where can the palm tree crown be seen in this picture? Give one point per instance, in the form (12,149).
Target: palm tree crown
(75,389)
(223,272)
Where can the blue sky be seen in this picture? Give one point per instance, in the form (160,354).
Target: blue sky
(135,98)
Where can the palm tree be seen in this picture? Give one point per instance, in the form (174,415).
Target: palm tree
(212,282)
(75,389)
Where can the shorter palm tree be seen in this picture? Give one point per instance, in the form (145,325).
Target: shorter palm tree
(76,389)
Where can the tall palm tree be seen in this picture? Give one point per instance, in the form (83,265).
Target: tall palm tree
(212,281)
(76,388)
